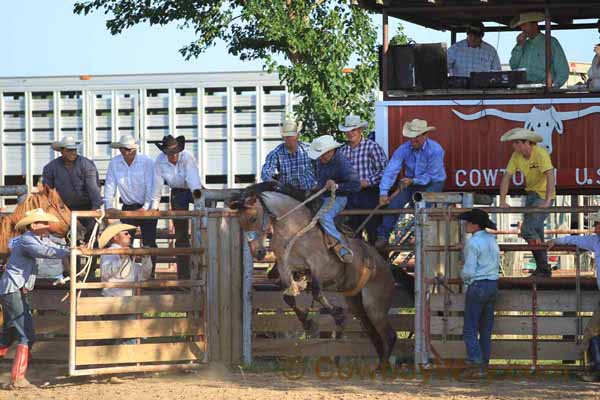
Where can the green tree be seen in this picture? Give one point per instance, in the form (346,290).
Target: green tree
(316,38)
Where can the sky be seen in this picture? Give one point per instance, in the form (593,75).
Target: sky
(45,38)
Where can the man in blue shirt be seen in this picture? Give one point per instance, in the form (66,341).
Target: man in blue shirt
(290,160)
(334,171)
(592,331)
(19,278)
(480,275)
(423,162)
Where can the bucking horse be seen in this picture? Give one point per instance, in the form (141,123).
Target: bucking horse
(367,283)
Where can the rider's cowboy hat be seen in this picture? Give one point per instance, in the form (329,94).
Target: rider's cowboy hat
(171,145)
(521,134)
(126,142)
(322,145)
(290,128)
(416,127)
(527,17)
(111,231)
(352,122)
(479,217)
(37,215)
(68,142)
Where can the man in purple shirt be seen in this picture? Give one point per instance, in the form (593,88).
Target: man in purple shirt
(369,160)
(423,162)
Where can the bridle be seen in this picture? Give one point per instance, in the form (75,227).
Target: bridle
(254,235)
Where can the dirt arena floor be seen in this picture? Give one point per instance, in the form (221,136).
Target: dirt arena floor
(324,384)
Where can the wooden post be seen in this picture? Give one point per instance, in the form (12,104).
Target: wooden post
(548,32)
(384,57)
(212,291)
(73,296)
(248,263)
(452,37)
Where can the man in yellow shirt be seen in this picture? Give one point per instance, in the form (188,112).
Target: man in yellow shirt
(535,165)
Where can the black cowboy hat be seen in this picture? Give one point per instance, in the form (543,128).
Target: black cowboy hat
(479,217)
(171,145)
(476,28)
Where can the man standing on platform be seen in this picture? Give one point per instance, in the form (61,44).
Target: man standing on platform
(369,160)
(179,169)
(133,175)
(535,165)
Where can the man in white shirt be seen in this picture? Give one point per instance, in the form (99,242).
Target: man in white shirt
(133,175)
(179,170)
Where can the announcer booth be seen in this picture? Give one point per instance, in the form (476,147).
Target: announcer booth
(537,319)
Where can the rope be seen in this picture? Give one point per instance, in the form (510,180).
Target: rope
(294,289)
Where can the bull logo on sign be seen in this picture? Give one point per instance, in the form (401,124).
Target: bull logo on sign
(543,122)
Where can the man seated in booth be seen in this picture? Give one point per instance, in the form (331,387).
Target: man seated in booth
(472,54)
(530,51)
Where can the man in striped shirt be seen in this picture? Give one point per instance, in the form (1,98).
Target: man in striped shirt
(289,161)
(369,160)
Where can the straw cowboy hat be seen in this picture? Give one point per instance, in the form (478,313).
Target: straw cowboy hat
(290,128)
(68,142)
(126,142)
(479,217)
(527,17)
(352,122)
(415,128)
(322,145)
(521,134)
(37,215)
(111,231)
(171,145)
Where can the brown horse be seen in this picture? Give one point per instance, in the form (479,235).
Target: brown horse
(47,199)
(367,284)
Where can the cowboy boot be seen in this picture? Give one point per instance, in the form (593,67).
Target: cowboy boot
(19,368)
(344,253)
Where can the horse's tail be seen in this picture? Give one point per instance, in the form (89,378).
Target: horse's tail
(403,278)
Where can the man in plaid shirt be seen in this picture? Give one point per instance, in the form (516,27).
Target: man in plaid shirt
(290,160)
(472,54)
(369,160)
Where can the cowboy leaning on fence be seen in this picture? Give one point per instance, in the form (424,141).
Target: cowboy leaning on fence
(16,281)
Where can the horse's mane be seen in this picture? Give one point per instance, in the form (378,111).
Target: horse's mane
(32,201)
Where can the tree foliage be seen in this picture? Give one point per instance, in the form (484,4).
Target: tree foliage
(318,39)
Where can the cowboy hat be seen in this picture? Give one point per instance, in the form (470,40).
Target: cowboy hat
(595,217)
(527,17)
(476,28)
(521,134)
(290,128)
(111,231)
(415,128)
(68,142)
(171,145)
(126,142)
(479,217)
(37,215)
(322,145)
(352,122)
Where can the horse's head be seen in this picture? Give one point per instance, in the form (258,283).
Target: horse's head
(53,204)
(254,220)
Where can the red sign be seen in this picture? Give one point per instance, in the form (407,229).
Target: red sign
(470,130)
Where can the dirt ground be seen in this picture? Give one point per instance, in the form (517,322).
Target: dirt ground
(323,384)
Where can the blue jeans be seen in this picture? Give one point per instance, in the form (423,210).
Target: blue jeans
(18,324)
(400,201)
(533,229)
(326,220)
(479,319)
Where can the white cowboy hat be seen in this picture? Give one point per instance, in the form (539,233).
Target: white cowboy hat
(352,122)
(68,142)
(416,127)
(527,17)
(322,145)
(125,141)
(290,128)
(111,231)
(595,217)
(521,134)
(37,215)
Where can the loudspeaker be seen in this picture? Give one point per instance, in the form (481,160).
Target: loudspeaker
(415,66)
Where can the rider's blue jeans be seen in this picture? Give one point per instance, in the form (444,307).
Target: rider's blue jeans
(326,220)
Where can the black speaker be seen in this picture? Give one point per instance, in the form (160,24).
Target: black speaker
(415,66)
